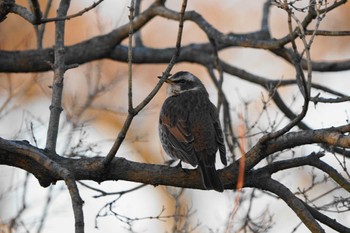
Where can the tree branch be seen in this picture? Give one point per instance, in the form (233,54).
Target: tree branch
(59,68)
(310,160)
(68,17)
(336,137)
(327,33)
(36,10)
(292,201)
(137,109)
(107,46)
(333,173)
(48,167)
(38,162)
(77,202)
(332,223)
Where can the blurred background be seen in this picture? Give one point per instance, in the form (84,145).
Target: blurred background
(95,107)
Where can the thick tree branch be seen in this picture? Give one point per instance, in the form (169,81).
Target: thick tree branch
(100,47)
(60,68)
(38,162)
(336,137)
(103,47)
(292,201)
(48,167)
(310,160)
(332,172)
(322,66)
(5,8)
(332,223)
(88,168)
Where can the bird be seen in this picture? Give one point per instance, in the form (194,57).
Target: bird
(189,127)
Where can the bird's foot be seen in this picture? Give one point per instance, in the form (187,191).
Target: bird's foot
(179,165)
(169,162)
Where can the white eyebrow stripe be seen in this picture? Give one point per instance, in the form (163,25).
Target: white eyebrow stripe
(171,92)
(192,89)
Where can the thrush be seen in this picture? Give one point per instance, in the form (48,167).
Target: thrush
(189,127)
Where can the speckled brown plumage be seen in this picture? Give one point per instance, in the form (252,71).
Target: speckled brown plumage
(189,127)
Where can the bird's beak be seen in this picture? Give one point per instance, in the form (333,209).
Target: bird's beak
(166,80)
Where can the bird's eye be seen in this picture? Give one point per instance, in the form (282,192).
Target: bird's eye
(181,81)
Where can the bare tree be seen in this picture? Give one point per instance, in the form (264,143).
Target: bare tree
(267,142)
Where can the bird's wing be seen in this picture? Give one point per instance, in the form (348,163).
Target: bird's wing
(180,138)
(219,134)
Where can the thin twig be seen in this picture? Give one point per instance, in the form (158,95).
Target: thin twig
(80,13)
(131,30)
(137,36)
(104,193)
(138,108)
(36,10)
(318,99)
(77,202)
(265,19)
(57,85)
(40,29)
(327,33)
(305,87)
(55,111)
(230,137)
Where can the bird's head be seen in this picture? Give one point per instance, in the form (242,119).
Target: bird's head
(182,82)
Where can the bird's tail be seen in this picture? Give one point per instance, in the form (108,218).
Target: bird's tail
(210,176)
